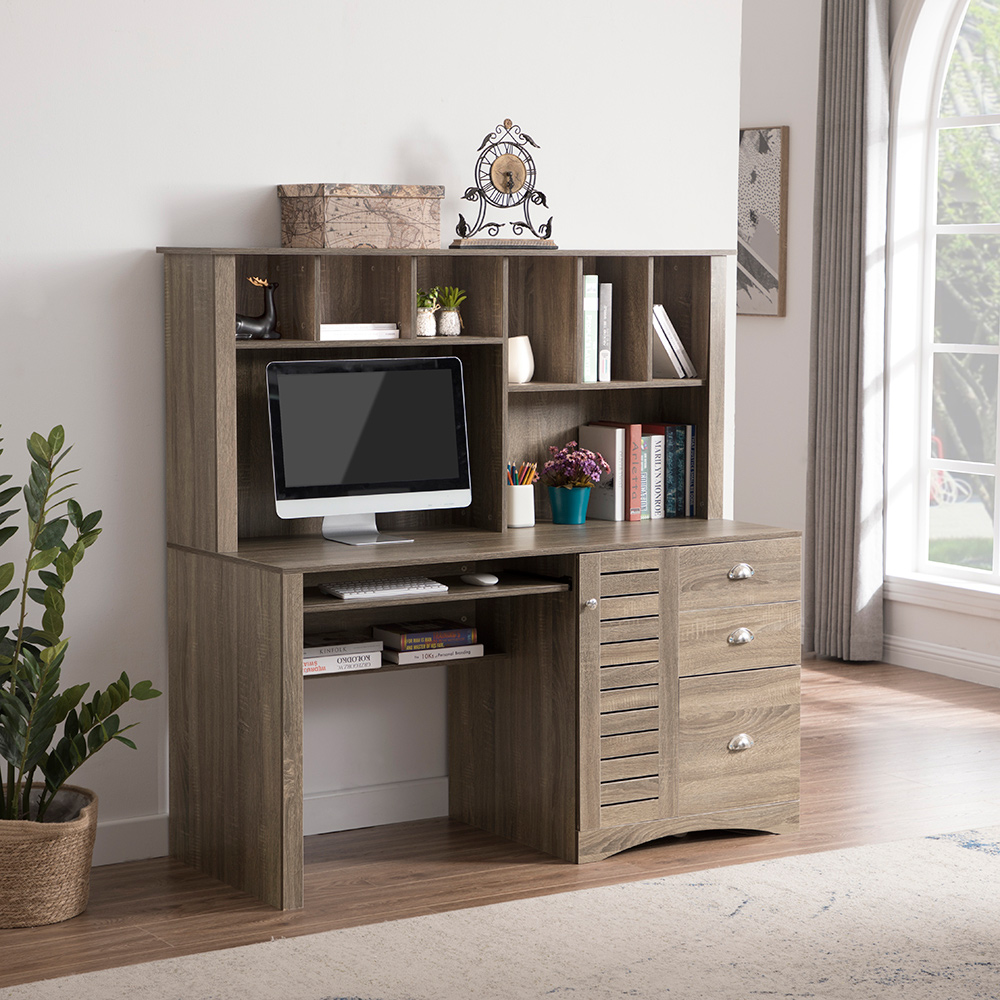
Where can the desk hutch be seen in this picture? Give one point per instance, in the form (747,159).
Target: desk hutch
(619,668)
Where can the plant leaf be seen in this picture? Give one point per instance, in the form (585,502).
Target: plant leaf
(5,533)
(7,495)
(37,594)
(52,534)
(50,579)
(74,513)
(39,449)
(42,559)
(57,438)
(6,574)
(7,599)
(91,521)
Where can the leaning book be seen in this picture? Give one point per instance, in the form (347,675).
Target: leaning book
(433,654)
(424,635)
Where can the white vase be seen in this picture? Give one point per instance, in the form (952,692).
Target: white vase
(520,360)
(426,326)
(449,324)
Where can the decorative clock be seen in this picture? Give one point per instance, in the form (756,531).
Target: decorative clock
(505,179)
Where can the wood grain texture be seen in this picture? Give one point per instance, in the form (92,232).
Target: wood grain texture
(865,780)
(776,631)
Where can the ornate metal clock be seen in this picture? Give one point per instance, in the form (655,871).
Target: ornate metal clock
(505,179)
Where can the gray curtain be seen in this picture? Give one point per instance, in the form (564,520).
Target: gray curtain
(843,560)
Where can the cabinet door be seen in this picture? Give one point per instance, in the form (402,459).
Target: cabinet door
(627,688)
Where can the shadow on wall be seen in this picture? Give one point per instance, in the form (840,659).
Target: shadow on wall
(200,217)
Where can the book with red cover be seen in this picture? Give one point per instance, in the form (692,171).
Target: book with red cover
(633,460)
(424,635)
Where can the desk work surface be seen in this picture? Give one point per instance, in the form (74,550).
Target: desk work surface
(311,553)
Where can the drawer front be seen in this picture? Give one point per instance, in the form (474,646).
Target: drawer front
(727,574)
(717,709)
(760,635)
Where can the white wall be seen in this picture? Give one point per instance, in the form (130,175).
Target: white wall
(131,125)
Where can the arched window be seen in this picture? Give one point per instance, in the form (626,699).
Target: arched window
(944,351)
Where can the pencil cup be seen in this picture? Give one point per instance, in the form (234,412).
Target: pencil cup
(520,506)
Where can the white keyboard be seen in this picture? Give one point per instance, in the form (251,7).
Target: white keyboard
(400,586)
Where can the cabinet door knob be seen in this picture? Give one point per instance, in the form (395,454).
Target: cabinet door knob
(742,741)
(591,604)
(740,637)
(741,571)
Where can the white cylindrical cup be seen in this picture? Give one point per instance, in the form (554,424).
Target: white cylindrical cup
(520,506)
(520,360)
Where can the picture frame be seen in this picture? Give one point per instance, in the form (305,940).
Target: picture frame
(762,222)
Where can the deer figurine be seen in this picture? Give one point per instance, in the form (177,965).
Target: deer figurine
(264,326)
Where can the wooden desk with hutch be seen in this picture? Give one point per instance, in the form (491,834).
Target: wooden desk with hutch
(625,660)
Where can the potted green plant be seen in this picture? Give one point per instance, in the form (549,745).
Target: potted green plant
(449,321)
(47,826)
(569,474)
(427,305)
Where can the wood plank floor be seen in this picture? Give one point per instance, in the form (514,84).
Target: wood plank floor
(887,753)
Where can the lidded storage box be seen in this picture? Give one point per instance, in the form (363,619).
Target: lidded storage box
(407,216)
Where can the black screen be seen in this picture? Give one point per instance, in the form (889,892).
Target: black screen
(387,425)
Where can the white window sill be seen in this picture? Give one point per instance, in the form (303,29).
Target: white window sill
(944,594)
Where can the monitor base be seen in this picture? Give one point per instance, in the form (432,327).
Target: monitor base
(357,529)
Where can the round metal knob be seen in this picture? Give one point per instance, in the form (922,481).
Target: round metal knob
(740,637)
(591,604)
(742,741)
(741,571)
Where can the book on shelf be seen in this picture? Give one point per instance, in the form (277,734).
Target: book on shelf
(590,311)
(607,498)
(632,466)
(341,662)
(657,434)
(358,331)
(402,656)
(690,467)
(672,345)
(604,332)
(645,486)
(434,634)
(333,643)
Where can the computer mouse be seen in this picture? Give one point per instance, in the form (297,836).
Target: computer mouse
(479,579)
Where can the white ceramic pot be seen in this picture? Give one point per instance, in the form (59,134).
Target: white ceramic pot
(426,327)
(449,324)
(520,360)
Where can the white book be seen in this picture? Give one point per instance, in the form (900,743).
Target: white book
(333,643)
(675,341)
(341,663)
(590,308)
(607,498)
(604,332)
(666,364)
(358,331)
(430,655)
(657,455)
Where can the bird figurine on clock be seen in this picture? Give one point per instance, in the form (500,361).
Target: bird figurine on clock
(505,180)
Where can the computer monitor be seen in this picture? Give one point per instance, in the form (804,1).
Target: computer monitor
(354,438)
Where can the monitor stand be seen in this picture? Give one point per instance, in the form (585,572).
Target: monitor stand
(356,529)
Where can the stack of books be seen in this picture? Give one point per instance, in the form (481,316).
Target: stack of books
(652,470)
(337,652)
(670,358)
(423,642)
(358,331)
(596,329)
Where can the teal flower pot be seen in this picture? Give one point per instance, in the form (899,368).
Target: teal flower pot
(569,504)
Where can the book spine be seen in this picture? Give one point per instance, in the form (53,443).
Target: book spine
(425,640)
(633,461)
(341,663)
(676,371)
(691,471)
(656,476)
(675,461)
(604,333)
(645,491)
(428,655)
(590,309)
(336,649)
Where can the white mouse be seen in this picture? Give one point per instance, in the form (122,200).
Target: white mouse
(480,579)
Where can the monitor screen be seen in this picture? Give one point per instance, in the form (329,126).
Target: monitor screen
(368,435)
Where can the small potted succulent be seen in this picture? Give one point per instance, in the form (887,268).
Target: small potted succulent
(427,305)
(569,474)
(449,321)
(47,826)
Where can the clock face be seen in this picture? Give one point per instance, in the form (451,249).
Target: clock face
(506,174)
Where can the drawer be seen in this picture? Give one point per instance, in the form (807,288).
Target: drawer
(763,704)
(718,575)
(759,635)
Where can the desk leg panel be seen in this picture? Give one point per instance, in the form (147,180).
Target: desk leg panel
(236,724)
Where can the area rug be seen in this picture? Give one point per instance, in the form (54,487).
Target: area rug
(914,919)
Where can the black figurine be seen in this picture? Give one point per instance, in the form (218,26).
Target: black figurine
(264,326)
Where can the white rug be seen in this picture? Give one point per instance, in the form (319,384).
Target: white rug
(915,919)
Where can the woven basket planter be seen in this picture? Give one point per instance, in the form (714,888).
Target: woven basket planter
(45,867)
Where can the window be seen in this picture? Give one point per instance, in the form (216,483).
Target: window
(944,357)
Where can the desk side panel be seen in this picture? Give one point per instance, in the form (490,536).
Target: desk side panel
(236,724)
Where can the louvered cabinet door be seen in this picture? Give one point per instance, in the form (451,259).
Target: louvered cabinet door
(627,689)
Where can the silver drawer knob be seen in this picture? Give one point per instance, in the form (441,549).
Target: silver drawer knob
(591,604)
(741,741)
(741,571)
(740,637)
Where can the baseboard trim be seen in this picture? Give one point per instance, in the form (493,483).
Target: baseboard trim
(130,839)
(961,664)
(374,805)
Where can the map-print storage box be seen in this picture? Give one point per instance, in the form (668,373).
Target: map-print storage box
(407,216)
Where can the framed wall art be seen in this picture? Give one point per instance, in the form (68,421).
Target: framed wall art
(762,239)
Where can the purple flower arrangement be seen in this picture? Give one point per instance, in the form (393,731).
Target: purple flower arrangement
(572,465)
